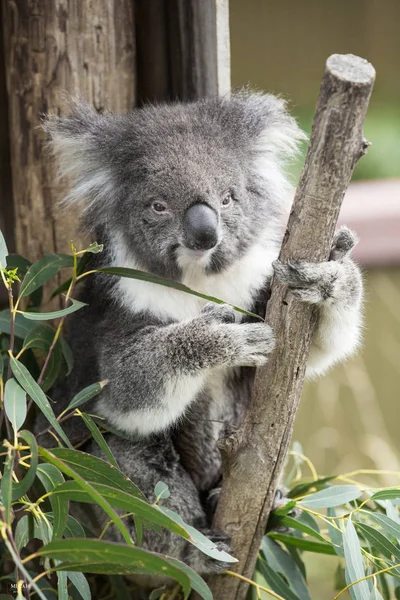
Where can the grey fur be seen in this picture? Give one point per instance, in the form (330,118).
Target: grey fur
(180,371)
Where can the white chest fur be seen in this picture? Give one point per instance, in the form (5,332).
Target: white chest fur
(236,285)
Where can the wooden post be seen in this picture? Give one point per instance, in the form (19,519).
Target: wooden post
(253,457)
(83,47)
(183,49)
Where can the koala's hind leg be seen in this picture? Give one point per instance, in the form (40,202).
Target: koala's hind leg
(148,462)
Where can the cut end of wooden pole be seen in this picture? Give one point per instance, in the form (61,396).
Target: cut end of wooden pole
(351,68)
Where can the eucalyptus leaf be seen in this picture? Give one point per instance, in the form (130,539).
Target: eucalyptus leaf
(23,570)
(35,316)
(275,581)
(80,582)
(176,285)
(98,438)
(387,494)
(15,403)
(335,534)
(20,488)
(89,489)
(50,477)
(43,270)
(97,470)
(33,390)
(85,395)
(380,542)
(21,325)
(98,556)
(161,490)
(331,497)
(281,562)
(303,544)
(354,563)
(6,485)
(389,526)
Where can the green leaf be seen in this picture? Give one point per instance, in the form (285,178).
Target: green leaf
(20,488)
(354,563)
(87,487)
(388,494)
(198,584)
(332,496)
(80,582)
(15,404)
(86,394)
(335,535)
(299,526)
(302,544)
(25,531)
(98,556)
(302,488)
(198,539)
(281,562)
(149,277)
(51,477)
(43,270)
(97,470)
(21,325)
(388,525)
(380,542)
(67,354)
(6,485)
(161,490)
(62,585)
(33,390)
(35,316)
(42,337)
(150,513)
(94,430)
(3,252)
(21,567)
(275,581)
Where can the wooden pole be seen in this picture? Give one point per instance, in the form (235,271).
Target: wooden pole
(253,456)
(183,49)
(82,47)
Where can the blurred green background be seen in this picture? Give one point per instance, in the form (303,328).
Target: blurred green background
(348,419)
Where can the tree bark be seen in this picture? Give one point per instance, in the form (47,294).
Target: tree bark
(83,47)
(254,455)
(183,49)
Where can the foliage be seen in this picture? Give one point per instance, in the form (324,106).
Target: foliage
(47,552)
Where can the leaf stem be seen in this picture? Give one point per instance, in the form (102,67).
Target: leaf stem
(254,584)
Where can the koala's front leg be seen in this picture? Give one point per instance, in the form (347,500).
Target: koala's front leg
(336,288)
(155,373)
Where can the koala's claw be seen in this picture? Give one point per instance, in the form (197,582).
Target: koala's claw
(222,542)
(221,313)
(281,500)
(343,242)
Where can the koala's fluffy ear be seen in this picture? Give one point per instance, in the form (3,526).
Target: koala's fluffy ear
(272,134)
(77,143)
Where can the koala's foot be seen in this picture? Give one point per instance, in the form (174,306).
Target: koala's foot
(219,313)
(335,281)
(205,565)
(280,500)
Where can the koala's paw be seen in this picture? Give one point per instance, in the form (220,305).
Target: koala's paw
(343,243)
(280,500)
(218,313)
(222,542)
(252,343)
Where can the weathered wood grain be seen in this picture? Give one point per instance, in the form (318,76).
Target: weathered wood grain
(85,47)
(253,456)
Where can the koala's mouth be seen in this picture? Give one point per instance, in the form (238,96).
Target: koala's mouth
(188,257)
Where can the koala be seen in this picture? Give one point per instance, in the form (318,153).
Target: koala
(196,193)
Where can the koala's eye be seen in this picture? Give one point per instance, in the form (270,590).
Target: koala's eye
(227,200)
(159,207)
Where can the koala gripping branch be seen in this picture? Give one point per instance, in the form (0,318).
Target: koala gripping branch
(254,455)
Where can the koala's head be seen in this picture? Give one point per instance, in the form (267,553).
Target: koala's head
(179,184)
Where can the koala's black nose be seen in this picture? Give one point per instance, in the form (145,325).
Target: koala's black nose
(200,226)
